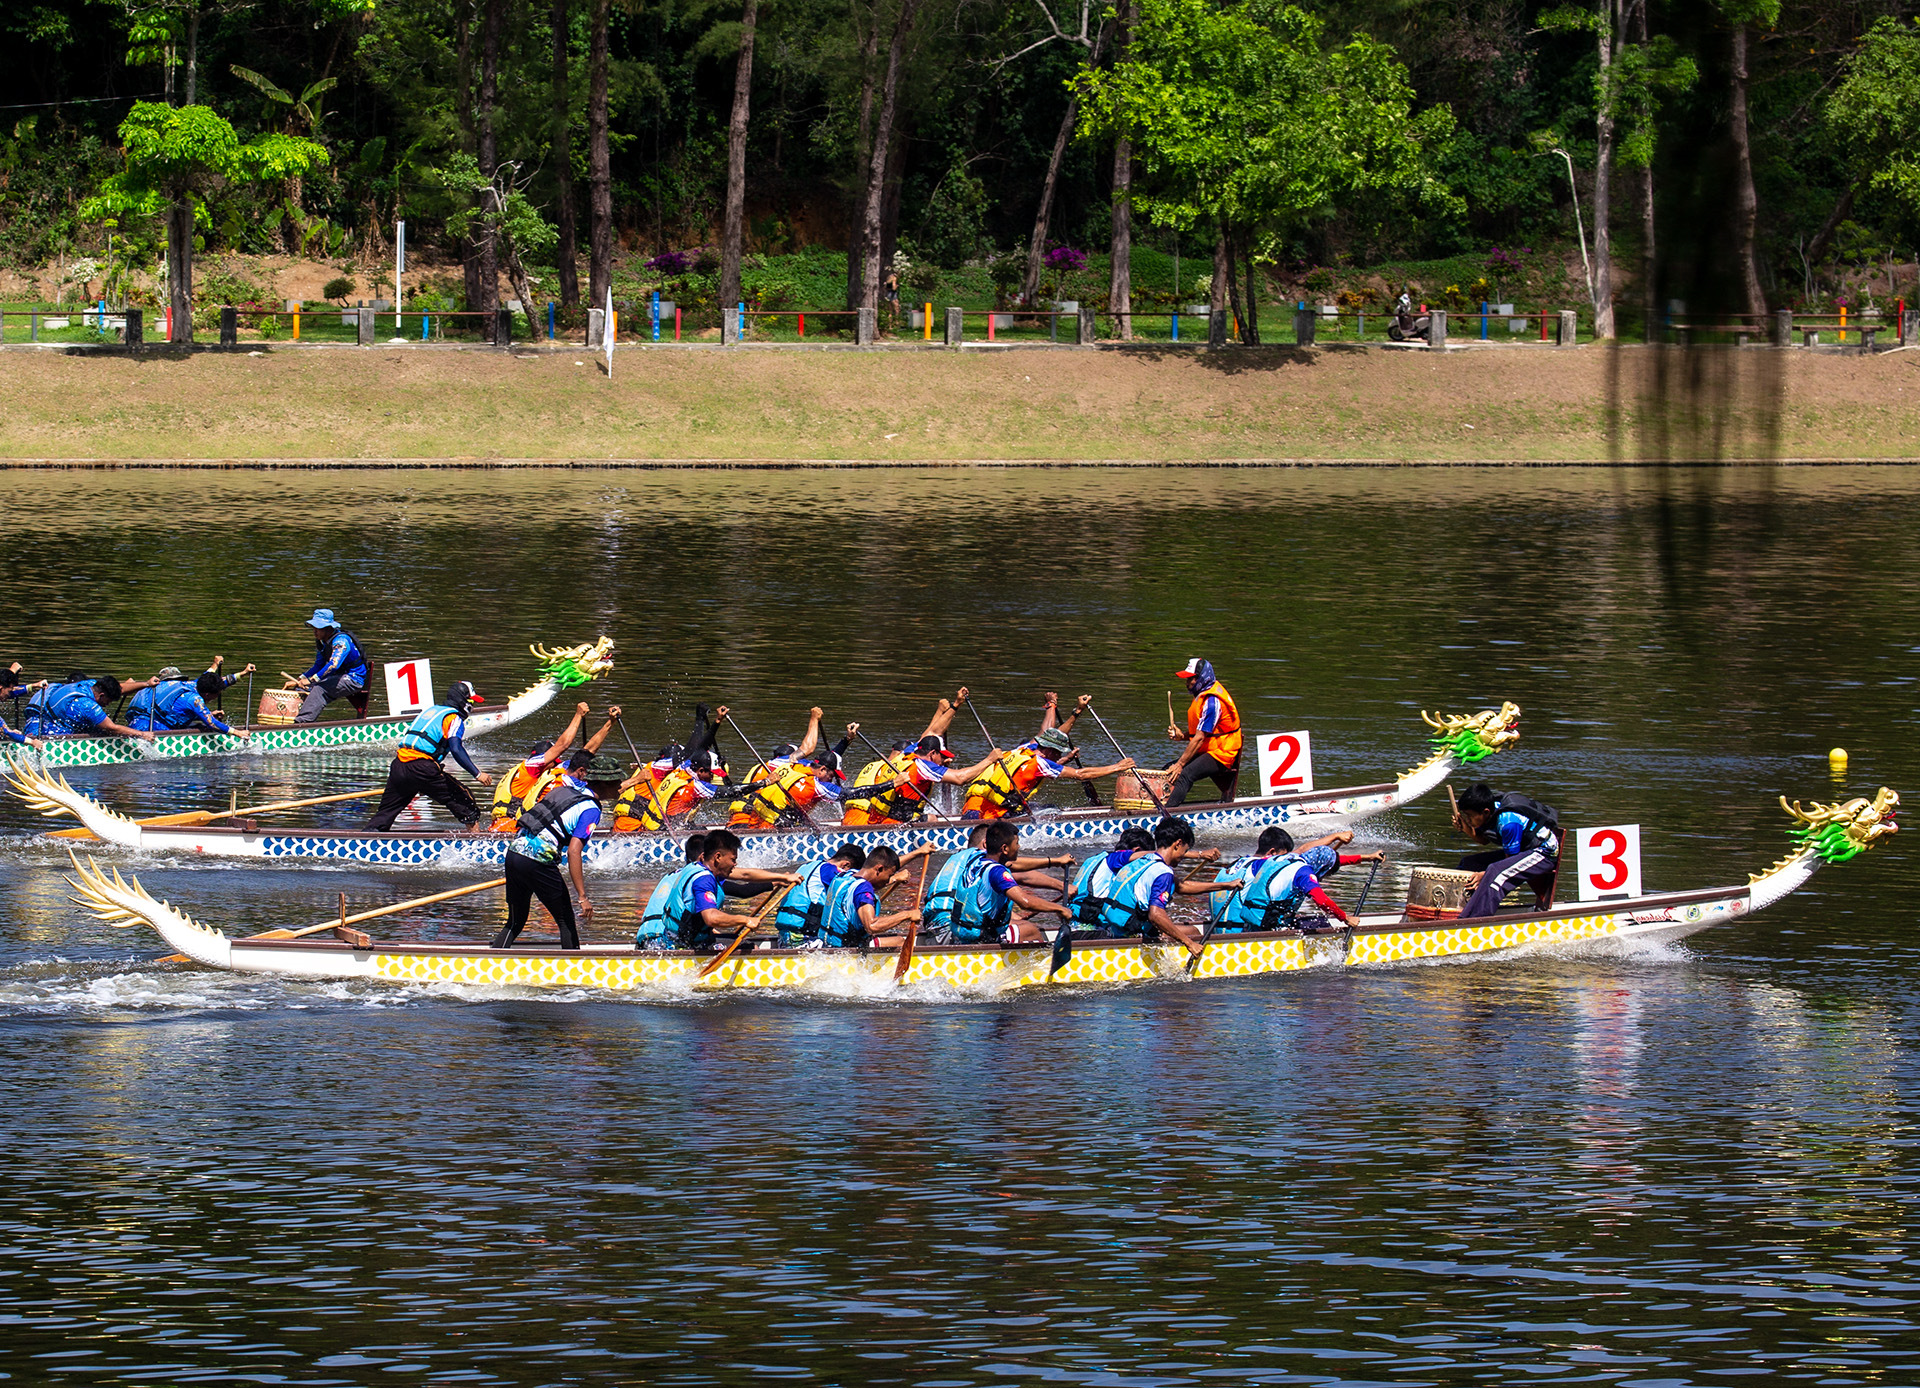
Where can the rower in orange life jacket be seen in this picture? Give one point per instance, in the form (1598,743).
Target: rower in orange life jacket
(679,779)
(1213,737)
(528,783)
(793,782)
(887,792)
(1006,787)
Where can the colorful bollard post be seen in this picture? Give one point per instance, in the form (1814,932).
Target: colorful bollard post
(1843,321)
(549,320)
(926,322)
(169,326)
(425,319)
(676,322)
(296,322)
(1483,320)
(1176,325)
(655,303)
(800,320)
(743,318)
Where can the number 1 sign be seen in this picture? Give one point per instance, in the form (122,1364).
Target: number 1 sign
(409,685)
(1286,763)
(1608,859)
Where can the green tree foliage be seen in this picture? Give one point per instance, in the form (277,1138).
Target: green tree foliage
(1874,114)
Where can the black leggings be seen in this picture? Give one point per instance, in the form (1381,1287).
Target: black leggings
(527,879)
(1203,768)
(422,776)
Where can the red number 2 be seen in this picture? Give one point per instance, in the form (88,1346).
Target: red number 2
(412,677)
(1612,846)
(1280,780)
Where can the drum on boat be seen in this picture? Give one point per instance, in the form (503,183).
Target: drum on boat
(1437,893)
(1130,790)
(278,707)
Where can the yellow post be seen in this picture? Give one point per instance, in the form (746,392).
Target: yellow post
(926,322)
(296,324)
(1843,322)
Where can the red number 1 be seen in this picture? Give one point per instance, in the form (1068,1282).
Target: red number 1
(1612,846)
(412,677)
(1280,780)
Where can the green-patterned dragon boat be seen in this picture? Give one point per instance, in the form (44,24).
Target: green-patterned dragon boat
(561,669)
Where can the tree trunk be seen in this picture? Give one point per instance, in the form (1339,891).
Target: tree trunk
(1252,334)
(863,153)
(599,166)
(1602,287)
(1746,204)
(463,84)
(877,165)
(488,238)
(1824,237)
(516,269)
(1233,289)
(567,253)
(1222,274)
(1037,245)
(180,267)
(1649,259)
(193,54)
(733,232)
(1120,282)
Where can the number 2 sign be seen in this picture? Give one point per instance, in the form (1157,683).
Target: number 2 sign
(1609,861)
(409,685)
(1286,763)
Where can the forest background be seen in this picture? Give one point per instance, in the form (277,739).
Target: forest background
(1601,154)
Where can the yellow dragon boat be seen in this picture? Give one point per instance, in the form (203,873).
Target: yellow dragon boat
(1821,834)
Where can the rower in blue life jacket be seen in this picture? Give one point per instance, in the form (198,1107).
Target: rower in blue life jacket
(943,893)
(686,911)
(12,687)
(1527,835)
(339,669)
(417,770)
(797,919)
(1270,887)
(851,918)
(559,823)
(80,706)
(1095,876)
(174,704)
(984,901)
(1138,897)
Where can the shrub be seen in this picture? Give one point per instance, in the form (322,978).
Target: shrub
(1066,260)
(671,262)
(337,289)
(924,276)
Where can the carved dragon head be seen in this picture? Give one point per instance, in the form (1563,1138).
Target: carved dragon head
(572,666)
(1472,737)
(1845,829)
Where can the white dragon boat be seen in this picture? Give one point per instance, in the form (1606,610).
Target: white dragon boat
(1821,834)
(562,669)
(1457,740)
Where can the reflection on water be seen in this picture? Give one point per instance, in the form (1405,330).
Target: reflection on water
(1638,1167)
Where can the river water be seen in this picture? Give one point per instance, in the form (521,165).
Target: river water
(1681,1165)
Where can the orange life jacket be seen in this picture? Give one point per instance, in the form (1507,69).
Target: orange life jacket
(1223,744)
(767,796)
(904,802)
(518,792)
(651,802)
(1002,789)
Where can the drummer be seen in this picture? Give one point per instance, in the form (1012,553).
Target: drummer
(1212,736)
(1526,835)
(339,669)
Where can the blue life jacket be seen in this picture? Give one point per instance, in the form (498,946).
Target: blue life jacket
(425,733)
(165,706)
(943,896)
(798,915)
(840,926)
(669,916)
(1268,898)
(980,912)
(55,710)
(1119,909)
(1088,885)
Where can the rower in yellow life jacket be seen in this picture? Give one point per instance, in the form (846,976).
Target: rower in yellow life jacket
(1212,736)
(529,782)
(1007,786)
(676,781)
(907,797)
(794,781)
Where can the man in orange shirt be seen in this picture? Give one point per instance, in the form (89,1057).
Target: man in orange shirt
(1213,736)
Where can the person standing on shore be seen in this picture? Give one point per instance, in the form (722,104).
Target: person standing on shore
(339,669)
(1213,737)
(417,770)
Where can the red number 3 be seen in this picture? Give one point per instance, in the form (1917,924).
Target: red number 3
(1612,847)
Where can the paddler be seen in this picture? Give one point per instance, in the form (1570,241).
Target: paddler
(339,669)
(417,767)
(960,871)
(685,910)
(80,706)
(983,911)
(11,687)
(1270,887)
(1007,786)
(852,919)
(174,704)
(873,788)
(905,798)
(794,780)
(1527,838)
(677,780)
(1096,875)
(1136,898)
(1212,736)
(562,822)
(543,769)
(797,919)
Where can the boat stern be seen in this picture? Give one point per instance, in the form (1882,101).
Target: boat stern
(123,902)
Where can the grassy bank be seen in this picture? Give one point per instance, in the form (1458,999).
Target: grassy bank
(1514,405)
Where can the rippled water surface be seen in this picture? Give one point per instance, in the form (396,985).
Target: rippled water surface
(1684,1165)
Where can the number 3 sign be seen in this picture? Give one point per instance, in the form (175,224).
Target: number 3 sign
(409,685)
(1609,861)
(1286,763)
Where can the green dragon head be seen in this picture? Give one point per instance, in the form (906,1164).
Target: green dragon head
(1846,830)
(1474,737)
(575,665)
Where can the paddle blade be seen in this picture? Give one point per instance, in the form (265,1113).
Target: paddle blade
(906,949)
(1062,948)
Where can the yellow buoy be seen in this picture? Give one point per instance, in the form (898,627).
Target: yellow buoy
(1837,761)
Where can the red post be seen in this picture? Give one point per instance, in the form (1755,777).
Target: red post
(676,322)
(1543,325)
(989,325)
(803,324)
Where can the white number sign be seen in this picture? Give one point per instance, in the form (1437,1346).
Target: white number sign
(1286,763)
(1608,859)
(409,685)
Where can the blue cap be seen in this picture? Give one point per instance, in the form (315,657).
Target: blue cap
(322,619)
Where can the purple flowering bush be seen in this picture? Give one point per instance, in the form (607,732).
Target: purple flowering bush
(1065,260)
(672,262)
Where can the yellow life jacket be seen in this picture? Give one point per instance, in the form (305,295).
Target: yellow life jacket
(518,792)
(871,809)
(768,795)
(651,803)
(1002,789)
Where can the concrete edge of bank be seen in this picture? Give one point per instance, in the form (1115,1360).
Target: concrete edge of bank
(802,464)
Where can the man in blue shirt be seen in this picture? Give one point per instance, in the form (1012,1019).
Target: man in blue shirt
(852,917)
(11,687)
(339,669)
(173,703)
(1527,835)
(63,710)
(983,912)
(562,822)
(685,910)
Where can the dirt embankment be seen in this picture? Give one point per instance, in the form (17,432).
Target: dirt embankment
(1505,405)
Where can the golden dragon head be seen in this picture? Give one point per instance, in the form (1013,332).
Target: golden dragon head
(1846,828)
(1473,736)
(571,666)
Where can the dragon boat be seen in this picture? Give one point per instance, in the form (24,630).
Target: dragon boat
(1822,834)
(1457,740)
(559,669)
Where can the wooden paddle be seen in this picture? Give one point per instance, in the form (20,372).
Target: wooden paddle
(192,817)
(913,926)
(346,920)
(1063,937)
(727,953)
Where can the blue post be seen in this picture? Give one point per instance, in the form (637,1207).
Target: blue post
(656,315)
(743,318)
(103,317)
(1176,325)
(425,318)
(1483,320)
(549,320)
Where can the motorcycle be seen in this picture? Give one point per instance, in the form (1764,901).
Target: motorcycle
(1408,326)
